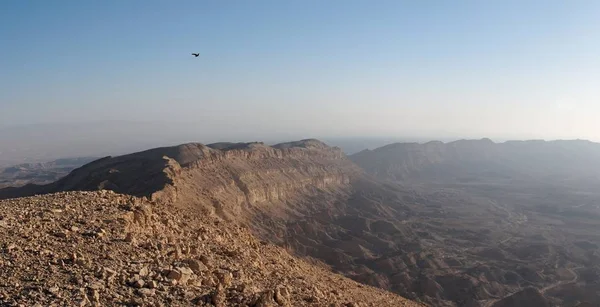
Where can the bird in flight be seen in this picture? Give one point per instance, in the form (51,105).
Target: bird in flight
(196,54)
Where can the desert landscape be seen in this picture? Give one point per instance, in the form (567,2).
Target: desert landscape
(466,223)
(300,153)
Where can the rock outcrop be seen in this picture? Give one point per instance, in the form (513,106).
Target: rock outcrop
(257,171)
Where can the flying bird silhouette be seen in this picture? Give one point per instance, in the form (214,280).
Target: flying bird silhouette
(196,54)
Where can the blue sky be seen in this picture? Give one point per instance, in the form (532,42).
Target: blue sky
(500,69)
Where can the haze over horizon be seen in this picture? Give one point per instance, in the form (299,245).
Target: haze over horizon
(275,70)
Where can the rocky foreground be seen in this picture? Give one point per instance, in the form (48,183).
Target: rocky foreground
(105,249)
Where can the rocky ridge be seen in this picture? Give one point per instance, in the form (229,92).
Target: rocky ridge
(468,158)
(237,181)
(296,164)
(101,248)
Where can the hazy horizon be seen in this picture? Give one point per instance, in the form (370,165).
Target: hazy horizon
(46,141)
(273,70)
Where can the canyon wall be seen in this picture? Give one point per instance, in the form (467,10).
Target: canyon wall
(232,174)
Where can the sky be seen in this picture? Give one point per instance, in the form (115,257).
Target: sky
(466,69)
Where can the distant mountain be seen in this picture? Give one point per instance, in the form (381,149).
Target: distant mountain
(532,208)
(352,145)
(464,159)
(41,172)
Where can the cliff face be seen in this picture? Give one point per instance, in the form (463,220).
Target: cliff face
(252,184)
(258,185)
(236,174)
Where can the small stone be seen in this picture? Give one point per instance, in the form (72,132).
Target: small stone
(138,283)
(100,233)
(317,292)
(135,302)
(226,278)
(84,301)
(238,274)
(186,274)
(152,284)
(218,296)
(110,272)
(146,292)
(173,275)
(74,228)
(265,299)
(96,286)
(196,266)
(205,260)
(129,237)
(282,296)
(95,296)
(60,234)
(144,272)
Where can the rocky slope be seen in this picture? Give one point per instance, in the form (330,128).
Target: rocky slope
(105,249)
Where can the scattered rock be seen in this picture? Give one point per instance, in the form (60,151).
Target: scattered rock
(173,275)
(83,270)
(129,238)
(196,266)
(54,290)
(186,274)
(96,286)
(138,283)
(144,272)
(225,278)
(265,299)
(146,292)
(282,296)
(218,297)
